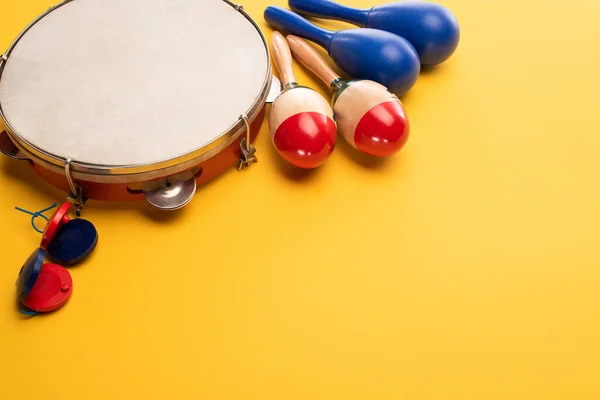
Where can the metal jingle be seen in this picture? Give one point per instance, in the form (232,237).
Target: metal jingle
(171,193)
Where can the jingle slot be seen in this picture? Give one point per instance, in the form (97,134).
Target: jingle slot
(170,193)
(136,188)
(8,148)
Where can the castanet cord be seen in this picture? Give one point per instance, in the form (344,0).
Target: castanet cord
(34,215)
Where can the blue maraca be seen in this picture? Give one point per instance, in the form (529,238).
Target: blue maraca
(371,54)
(431,28)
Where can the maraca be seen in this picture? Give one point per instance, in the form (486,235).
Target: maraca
(431,28)
(43,287)
(361,53)
(369,117)
(301,121)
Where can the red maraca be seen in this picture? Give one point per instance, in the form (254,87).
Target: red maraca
(368,116)
(301,121)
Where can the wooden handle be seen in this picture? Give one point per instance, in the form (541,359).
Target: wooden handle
(283,58)
(308,56)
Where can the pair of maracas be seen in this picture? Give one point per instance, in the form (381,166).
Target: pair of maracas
(304,127)
(44,287)
(390,46)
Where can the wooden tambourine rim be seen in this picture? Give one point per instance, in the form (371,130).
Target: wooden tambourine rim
(138,173)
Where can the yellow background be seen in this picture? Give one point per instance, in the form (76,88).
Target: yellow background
(467,267)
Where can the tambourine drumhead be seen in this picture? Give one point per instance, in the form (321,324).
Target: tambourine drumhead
(132,82)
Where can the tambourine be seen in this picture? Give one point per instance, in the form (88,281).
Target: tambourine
(125,100)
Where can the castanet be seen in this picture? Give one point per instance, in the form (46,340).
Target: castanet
(68,241)
(431,28)
(361,53)
(301,121)
(369,117)
(43,287)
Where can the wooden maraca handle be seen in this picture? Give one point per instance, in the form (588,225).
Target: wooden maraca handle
(283,58)
(308,56)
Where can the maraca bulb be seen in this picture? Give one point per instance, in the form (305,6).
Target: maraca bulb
(361,53)
(302,128)
(377,56)
(371,119)
(431,28)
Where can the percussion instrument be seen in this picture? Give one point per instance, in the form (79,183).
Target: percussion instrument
(369,117)
(123,100)
(68,241)
(43,287)
(301,121)
(361,53)
(431,28)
